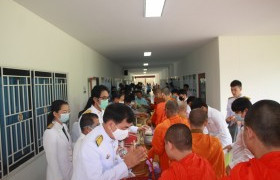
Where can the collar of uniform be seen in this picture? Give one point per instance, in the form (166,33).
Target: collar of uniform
(57,125)
(82,136)
(209,113)
(106,136)
(95,110)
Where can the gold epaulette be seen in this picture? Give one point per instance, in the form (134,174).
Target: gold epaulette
(50,126)
(247,97)
(87,111)
(99,140)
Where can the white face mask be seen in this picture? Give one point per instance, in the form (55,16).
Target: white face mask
(122,102)
(64,117)
(120,134)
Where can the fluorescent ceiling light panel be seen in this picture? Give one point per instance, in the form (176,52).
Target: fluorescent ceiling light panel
(153,8)
(144,72)
(145,69)
(146,64)
(147,53)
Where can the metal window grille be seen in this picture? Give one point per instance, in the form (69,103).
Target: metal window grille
(25,98)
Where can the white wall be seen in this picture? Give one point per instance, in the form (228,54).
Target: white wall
(28,41)
(255,61)
(204,60)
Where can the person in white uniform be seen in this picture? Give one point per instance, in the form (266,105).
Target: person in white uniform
(236,88)
(57,143)
(217,125)
(240,153)
(88,122)
(98,158)
(96,104)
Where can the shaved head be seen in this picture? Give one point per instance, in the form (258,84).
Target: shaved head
(198,117)
(180,136)
(166,91)
(171,108)
(264,119)
(182,105)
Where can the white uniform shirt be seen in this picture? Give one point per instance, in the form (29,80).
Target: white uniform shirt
(58,151)
(76,129)
(217,126)
(188,110)
(77,148)
(239,151)
(99,162)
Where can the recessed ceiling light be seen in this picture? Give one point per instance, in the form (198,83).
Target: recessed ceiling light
(147,53)
(145,69)
(146,64)
(144,72)
(153,8)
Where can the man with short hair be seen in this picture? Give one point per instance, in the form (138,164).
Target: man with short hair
(186,165)
(171,110)
(205,145)
(217,125)
(88,122)
(189,103)
(236,88)
(159,113)
(262,138)
(183,96)
(98,157)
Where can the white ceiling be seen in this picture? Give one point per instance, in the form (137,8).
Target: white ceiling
(118,30)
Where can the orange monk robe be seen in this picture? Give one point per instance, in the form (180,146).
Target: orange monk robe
(159,113)
(266,167)
(158,140)
(192,167)
(211,149)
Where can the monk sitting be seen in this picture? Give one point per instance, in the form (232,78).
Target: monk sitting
(262,138)
(186,165)
(208,147)
(158,138)
(159,113)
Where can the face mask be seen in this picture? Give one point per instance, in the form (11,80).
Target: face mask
(104,104)
(120,134)
(121,102)
(64,117)
(181,99)
(238,117)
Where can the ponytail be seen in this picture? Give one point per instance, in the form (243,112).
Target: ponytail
(88,105)
(55,107)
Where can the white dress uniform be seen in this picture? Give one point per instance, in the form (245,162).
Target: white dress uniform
(98,159)
(240,153)
(76,129)
(217,126)
(77,148)
(58,149)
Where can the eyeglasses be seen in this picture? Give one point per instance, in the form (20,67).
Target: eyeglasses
(104,97)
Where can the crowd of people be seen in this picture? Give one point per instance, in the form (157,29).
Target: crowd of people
(190,138)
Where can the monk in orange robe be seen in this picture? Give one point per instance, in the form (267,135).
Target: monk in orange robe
(262,138)
(186,165)
(206,146)
(158,138)
(159,113)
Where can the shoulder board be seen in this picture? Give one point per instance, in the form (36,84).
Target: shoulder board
(99,140)
(50,126)
(230,97)
(87,111)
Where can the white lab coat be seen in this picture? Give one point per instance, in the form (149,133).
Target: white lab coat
(58,151)
(98,160)
(77,148)
(217,126)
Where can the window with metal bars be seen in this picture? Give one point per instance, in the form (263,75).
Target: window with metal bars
(25,99)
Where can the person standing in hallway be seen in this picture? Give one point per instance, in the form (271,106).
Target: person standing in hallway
(236,88)
(96,104)
(186,88)
(217,125)
(57,143)
(88,122)
(98,158)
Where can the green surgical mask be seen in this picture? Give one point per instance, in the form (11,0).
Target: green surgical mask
(104,104)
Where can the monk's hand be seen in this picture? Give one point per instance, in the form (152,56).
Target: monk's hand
(230,119)
(135,156)
(228,148)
